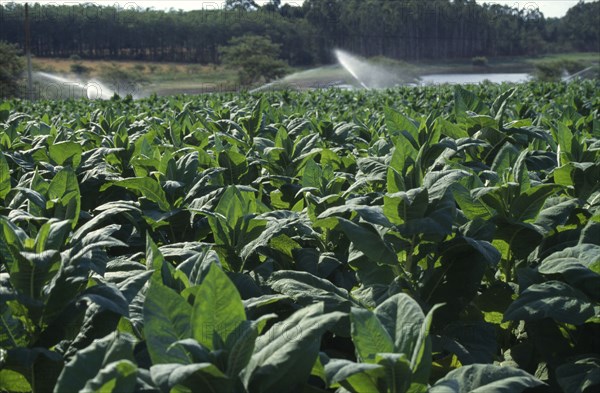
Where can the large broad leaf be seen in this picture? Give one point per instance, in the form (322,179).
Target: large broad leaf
(556,212)
(438,182)
(146,187)
(402,318)
(580,375)
(479,378)
(285,354)
(464,101)
(450,129)
(201,377)
(575,265)
(65,153)
(398,376)
(117,377)
(243,345)
(396,122)
(218,309)
(307,289)
(552,299)
(13,330)
(235,164)
(355,377)
(366,239)
(86,369)
(463,264)
(369,335)
(37,367)
(12,381)
(472,342)
(64,195)
(5,185)
(528,205)
(582,176)
(166,320)
(405,206)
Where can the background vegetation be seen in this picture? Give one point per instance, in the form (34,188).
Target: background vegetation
(11,68)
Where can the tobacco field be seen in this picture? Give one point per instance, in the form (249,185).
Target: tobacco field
(417,239)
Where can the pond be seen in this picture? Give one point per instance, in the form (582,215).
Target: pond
(435,79)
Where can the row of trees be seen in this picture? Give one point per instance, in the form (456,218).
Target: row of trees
(402,29)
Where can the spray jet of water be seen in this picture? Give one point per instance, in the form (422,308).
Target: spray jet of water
(370,76)
(54,86)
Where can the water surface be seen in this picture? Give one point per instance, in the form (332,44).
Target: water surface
(435,79)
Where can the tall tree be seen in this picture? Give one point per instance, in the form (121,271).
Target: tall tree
(255,57)
(11,68)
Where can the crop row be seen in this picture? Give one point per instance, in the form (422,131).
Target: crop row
(408,240)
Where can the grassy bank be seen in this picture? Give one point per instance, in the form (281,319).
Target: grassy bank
(174,78)
(504,64)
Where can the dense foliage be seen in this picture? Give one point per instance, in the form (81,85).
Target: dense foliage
(307,33)
(11,67)
(255,57)
(437,238)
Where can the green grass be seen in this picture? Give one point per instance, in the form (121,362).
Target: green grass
(174,78)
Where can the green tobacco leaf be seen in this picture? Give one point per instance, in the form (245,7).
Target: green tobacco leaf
(464,101)
(218,309)
(404,206)
(117,377)
(5,111)
(307,289)
(420,359)
(146,187)
(201,377)
(579,376)
(499,105)
(516,239)
(552,299)
(355,377)
(12,381)
(65,153)
(402,318)
(312,175)
(5,185)
(575,265)
(505,158)
(520,172)
(52,235)
(480,378)
(582,176)
(32,271)
(284,356)
(366,239)
(166,320)
(236,165)
(89,364)
(438,182)
(369,335)
(241,349)
(397,122)
(397,371)
(556,214)
(527,205)
(450,129)
(64,193)
(13,333)
(109,297)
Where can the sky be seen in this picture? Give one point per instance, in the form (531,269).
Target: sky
(550,8)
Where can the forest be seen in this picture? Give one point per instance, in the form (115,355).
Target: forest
(400,29)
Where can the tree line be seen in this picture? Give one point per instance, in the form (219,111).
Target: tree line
(400,29)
